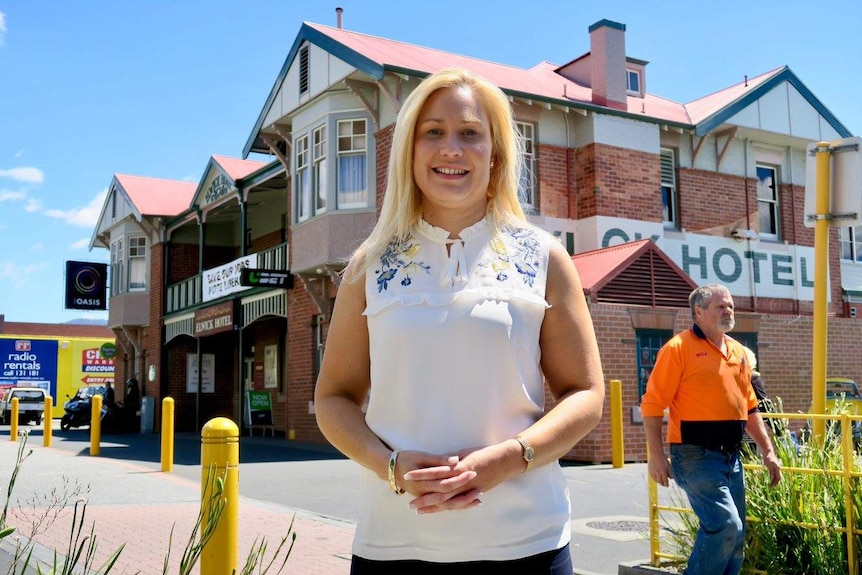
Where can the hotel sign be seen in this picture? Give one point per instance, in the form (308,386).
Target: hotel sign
(214,319)
(219,187)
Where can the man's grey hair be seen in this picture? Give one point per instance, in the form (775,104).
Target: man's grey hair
(702,296)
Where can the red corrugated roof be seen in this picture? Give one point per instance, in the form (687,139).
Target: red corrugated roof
(540,80)
(703,108)
(236,168)
(55,329)
(597,265)
(157,197)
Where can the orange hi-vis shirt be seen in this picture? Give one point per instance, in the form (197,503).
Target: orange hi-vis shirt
(709,393)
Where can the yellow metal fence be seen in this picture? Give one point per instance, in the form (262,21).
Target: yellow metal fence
(848,473)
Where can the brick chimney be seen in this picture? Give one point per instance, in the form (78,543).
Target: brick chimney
(608,64)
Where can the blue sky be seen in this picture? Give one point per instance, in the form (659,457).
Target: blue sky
(97,87)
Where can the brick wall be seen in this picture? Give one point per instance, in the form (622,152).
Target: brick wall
(183,260)
(553,180)
(267,241)
(617,182)
(301,311)
(383,147)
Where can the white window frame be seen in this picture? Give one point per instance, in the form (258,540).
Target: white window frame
(527,187)
(302,179)
(318,172)
(351,144)
(638,91)
(137,252)
(770,202)
(118,284)
(850,242)
(669,196)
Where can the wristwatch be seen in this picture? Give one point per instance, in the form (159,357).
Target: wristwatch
(526,452)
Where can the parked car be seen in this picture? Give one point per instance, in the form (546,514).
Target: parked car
(846,390)
(31,404)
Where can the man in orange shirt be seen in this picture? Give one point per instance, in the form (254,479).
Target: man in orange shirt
(703,376)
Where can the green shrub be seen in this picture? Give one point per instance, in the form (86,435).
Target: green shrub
(795,527)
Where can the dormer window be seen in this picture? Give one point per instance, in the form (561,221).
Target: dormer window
(633,82)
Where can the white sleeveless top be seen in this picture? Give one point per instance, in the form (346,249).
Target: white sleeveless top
(454,347)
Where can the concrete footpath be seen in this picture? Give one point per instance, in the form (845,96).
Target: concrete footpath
(131,502)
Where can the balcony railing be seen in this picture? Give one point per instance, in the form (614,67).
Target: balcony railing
(184,294)
(188,293)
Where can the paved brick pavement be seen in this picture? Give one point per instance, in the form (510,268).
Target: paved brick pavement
(131,504)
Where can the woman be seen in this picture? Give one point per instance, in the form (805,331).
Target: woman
(450,316)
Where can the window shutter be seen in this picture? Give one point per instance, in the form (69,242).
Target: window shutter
(668,171)
(303,69)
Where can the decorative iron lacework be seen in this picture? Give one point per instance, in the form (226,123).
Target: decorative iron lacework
(521,251)
(399,256)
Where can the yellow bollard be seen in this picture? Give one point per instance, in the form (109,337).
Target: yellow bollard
(168,434)
(220,455)
(13,420)
(48,421)
(95,425)
(617,442)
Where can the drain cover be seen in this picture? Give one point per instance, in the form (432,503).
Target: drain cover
(639,526)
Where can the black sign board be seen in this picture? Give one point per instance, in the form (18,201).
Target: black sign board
(266,278)
(86,285)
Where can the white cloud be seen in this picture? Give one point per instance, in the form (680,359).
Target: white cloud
(11,196)
(18,275)
(2,27)
(37,247)
(18,154)
(33,205)
(80,244)
(3,227)
(85,217)
(24,174)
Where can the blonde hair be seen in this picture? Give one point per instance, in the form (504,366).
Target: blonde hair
(402,201)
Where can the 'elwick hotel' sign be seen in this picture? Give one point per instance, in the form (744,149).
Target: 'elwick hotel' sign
(215,319)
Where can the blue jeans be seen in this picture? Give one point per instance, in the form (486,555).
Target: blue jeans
(715,486)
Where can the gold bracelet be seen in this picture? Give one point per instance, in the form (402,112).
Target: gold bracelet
(393,459)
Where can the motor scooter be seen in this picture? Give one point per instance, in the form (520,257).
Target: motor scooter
(79,407)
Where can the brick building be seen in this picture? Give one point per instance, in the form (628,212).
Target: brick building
(717,185)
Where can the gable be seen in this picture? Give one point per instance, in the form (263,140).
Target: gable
(649,280)
(784,110)
(634,273)
(116,208)
(780,103)
(324,70)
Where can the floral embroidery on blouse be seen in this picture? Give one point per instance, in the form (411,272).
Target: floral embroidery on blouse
(520,253)
(399,256)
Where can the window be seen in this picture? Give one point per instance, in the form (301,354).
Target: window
(670,215)
(137,263)
(649,342)
(117,277)
(303,69)
(767,201)
(633,82)
(303,185)
(351,178)
(850,240)
(318,139)
(527,185)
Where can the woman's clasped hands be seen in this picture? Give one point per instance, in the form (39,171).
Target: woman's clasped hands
(451,482)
